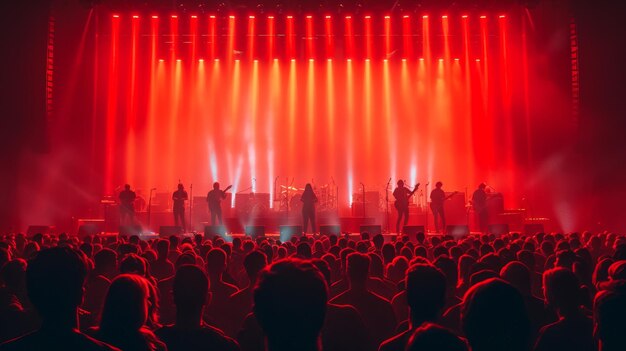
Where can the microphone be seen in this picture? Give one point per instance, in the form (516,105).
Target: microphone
(389,180)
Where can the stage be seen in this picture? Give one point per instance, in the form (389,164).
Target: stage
(349,99)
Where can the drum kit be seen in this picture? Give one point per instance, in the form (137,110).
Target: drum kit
(289,198)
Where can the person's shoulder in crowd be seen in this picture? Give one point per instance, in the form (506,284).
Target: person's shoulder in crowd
(39,340)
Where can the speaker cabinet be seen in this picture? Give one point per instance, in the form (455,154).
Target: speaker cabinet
(289,231)
(533,228)
(498,229)
(412,230)
(371,229)
(330,230)
(255,231)
(169,230)
(457,231)
(211,231)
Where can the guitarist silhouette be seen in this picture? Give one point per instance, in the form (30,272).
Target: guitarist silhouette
(402,196)
(437,199)
(214,199)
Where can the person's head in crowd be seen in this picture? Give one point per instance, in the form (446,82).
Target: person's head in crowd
(449,269)
(216,263)
(432,337)
(304,250)
(494,317)
(323,267)
(358,269)
(174,241)
(191,293)
(290,301)
(388,252)
(565,259)
(13,275)
(377,269)
(253,263)
(5,256)
(608,311)
(617,270)
(378,241)
(562,291)
(126,305)
(185,259)
(54,282)
(133,264)
(527,258)
(425,293)
(601,271)
(518,275)
(162,249)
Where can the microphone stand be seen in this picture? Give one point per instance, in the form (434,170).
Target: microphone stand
(387,205)
(150,206)
(190,206)
(363,199)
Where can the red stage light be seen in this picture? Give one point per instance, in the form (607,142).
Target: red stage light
(405,16)
(194,16)
(251,17)
(502,16)
(348,17)
(464,16)
(231,16)
(289,17)
(483,17)
(368,17)
(270,17)
(327,17)
(212,16)
(174,16)
(444,16)
(155,17)
(309,16)
(116,16)
(135,16)
(425,16)
(387,16)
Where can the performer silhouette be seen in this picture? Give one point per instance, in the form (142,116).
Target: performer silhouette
(479,202)
(214,199)
(402,195)
(179,197)
(308,199)
(437,199)
(127,207)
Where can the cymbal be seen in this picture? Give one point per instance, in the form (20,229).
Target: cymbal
(289,187)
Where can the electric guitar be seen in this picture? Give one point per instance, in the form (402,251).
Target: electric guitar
(433,206)
(401,205)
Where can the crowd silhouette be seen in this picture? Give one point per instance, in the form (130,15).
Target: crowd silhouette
(513,292)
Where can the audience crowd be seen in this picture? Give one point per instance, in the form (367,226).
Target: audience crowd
(480,292)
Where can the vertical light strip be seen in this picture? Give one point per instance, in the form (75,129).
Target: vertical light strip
(111,114)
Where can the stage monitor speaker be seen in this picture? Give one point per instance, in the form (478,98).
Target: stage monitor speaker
(457,231)
(130,230)
(289,231)
(39,229)
(330,230)
(412,230)
(498,229)
(169,230)
(371,229)
(90,229)
(255,231)
(533,228)
(211,231)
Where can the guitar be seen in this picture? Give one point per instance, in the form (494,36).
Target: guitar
(432,205)
(400,205)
